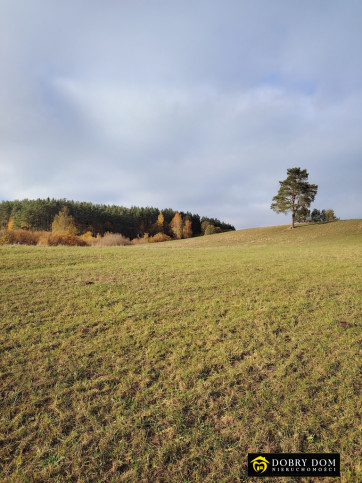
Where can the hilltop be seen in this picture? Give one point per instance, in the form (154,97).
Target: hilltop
(280,235)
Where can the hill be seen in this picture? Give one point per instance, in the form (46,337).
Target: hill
(170,362)
(281,235)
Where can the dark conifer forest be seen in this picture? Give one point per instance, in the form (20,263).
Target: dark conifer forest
(99,218)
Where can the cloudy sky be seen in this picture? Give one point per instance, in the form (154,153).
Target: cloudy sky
(196,105)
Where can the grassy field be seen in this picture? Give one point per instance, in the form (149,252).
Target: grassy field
(170,362)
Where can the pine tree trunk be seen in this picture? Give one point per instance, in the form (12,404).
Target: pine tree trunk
(293,211)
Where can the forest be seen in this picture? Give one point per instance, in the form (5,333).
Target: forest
(98,219)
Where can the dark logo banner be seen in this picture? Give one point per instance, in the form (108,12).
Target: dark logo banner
(294,464)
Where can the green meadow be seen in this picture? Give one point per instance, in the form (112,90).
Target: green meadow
(170,362)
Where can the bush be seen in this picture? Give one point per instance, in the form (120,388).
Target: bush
(88,237)
(112,240)
(210,230)
(19,237)
(25,237)
(56,239)
(5,238)
(44,238)
(159,237)
(330,216)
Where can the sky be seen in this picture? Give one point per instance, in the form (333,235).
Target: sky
(195,105)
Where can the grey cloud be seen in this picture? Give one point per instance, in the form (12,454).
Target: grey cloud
(199,106)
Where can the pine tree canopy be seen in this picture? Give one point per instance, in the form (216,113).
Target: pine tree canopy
(295,194)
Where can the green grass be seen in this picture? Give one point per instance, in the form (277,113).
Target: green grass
(180,358)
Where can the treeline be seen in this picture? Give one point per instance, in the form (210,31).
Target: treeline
(98,219)
(316,216)
(322,216)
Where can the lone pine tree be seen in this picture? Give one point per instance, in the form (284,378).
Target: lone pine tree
(295,194)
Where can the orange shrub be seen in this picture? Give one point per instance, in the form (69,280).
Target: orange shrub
(19,237)
(56,239)
(87,236)
(27,237)
(159,237)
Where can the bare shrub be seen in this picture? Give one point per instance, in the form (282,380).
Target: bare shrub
(159,237)
(112,240)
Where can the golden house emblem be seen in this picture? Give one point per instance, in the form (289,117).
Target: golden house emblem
(260,464)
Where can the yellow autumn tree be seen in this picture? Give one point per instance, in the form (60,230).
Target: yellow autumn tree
(11,224)
(204,225)
(187,229)
(160,222)
(176,225)
(64,223)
